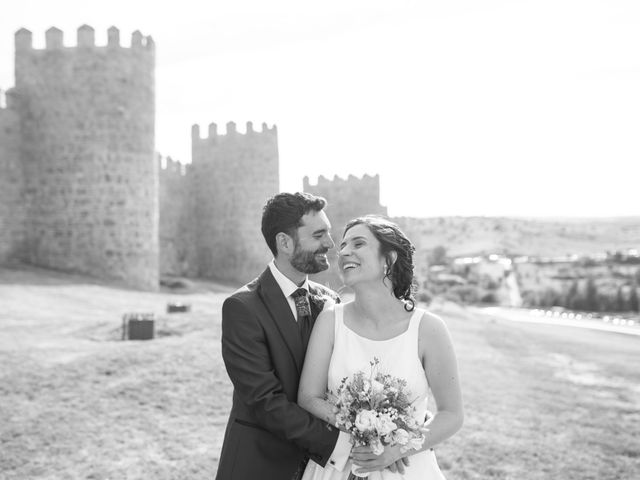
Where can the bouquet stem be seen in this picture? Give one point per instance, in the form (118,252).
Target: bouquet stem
(353,476)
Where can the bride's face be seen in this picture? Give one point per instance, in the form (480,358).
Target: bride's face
(359,256)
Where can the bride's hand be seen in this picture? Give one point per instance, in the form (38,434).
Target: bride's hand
(367,461)
(399,465)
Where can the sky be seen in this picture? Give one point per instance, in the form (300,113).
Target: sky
(463,107)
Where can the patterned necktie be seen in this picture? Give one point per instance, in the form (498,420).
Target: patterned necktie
(303,309)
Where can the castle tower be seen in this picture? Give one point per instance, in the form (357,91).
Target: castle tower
(12,211)
(234,174)
(346,200)
(91,179)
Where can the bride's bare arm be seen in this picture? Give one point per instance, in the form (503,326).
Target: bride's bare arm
(441,367)
(313,382)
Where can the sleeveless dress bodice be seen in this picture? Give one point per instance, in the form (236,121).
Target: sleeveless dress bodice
(398,356)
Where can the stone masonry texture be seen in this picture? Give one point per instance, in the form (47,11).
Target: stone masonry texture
(83,190)
(86,150)
(12,211)
(346,199)
(234,175)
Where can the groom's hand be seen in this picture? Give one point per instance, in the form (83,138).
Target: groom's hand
(367,461)
(398,467)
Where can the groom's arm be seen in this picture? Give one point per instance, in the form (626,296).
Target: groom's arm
(248,361)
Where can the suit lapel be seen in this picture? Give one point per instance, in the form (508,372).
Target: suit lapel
(280,313)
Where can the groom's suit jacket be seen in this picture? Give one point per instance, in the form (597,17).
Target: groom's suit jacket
(268,435)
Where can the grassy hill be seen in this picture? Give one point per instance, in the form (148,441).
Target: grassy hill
(523,236)
(76,402)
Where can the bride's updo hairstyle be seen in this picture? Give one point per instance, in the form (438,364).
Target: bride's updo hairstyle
(392,239)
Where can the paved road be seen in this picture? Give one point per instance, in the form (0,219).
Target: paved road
(529,316)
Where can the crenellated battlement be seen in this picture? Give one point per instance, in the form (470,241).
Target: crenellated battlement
(231,131)
(7,102)
(367,181)
(348,197)
(169,166)
(85,38)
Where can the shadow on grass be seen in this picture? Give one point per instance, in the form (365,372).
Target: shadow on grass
(30,275)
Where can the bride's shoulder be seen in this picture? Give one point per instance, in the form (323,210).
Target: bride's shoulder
(328,314)
(325,325)
(432,326)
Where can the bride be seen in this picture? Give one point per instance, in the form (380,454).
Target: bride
(376,262)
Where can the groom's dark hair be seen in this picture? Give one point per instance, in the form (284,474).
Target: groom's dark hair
(283,213)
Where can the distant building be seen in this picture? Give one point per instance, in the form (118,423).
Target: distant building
(211,210)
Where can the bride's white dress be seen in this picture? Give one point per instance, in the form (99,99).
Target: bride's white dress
(399,357)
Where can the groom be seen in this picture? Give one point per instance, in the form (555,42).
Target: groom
(265,329)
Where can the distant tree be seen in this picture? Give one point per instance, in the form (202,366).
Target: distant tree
(489,297)
(620,304)
(634,305)
(591,296)
(438,256)
(425,296)
(463,294)
(530,298)
(545,299)
(551,298)
(571,298)
(587,262)
(606,302)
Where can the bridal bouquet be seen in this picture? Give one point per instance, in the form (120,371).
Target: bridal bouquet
(375,409)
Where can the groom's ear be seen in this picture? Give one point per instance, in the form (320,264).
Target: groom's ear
(284,243)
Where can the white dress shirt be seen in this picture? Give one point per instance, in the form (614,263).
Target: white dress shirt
(340,455)
(287,286)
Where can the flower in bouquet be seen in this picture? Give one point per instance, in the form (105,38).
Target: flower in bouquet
(376,410)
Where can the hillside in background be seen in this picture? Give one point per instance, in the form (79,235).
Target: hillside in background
(550,237)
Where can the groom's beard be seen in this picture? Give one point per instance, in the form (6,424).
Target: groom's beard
(306,262)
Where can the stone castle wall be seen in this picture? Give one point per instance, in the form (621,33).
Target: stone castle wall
(177,238)
(12,212)
(234,174)
(346,200)
(81,188)
(87,117)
